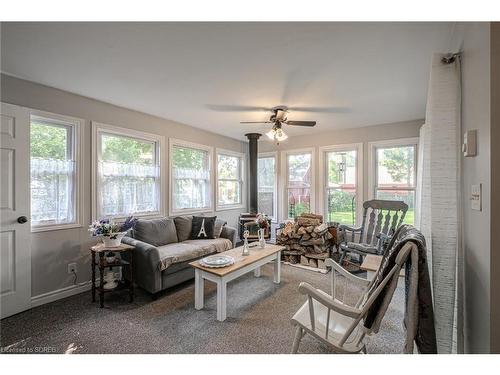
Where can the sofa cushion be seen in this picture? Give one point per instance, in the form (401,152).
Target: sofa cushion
(219,226)
(183,225)
(203,227)
(190,250)
(157,232)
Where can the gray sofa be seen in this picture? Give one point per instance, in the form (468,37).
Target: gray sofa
(163,250)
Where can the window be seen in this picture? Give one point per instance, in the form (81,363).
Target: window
(229,179)
(299,183)
(266,184)
(394,172)
(54,153)
(340,179)
(128,180)
(190,177)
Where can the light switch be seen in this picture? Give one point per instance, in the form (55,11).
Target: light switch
(475,197)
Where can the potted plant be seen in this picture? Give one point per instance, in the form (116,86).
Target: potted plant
(111,233)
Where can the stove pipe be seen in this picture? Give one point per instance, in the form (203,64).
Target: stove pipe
(252,163)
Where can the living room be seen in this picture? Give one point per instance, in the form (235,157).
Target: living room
(277,187)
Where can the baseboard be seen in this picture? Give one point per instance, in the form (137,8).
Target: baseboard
(55,295)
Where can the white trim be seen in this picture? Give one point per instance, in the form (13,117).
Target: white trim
(241,156)
(358,147)
(178,142)
(371,159)
(272,154)
(284,177)
(98,127)
(58,294)
(78,154)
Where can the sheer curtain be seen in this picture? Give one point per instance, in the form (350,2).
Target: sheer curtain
(52,190)
(128,188)
(439,191)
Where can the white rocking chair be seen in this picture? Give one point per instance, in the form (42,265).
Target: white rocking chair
(334,322)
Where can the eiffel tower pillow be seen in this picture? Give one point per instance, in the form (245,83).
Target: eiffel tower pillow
(203,227)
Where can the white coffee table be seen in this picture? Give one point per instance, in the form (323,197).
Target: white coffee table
(242,265)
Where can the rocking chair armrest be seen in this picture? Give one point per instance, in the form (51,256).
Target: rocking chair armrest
(349,228)
(328,301)
(355,279)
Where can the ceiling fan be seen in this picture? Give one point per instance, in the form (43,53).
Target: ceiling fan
(278,118)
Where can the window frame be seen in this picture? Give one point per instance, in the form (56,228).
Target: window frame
(241,156)
(272,154)
(373,165)
(323,150)
(99,128)
(284,179)
(210,150)
(76,125)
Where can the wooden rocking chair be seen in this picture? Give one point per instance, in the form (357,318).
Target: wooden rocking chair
(334,322)
(380,218)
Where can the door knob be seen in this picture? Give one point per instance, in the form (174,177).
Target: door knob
(22,219)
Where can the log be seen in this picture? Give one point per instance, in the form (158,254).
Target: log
(313,263)
(305,221)
(293,252)
(313,216)
(306,237)
(316,256)
(320,229)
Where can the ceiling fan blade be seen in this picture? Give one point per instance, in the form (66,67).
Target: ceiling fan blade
(255,122)
(236,108)
(321,109)
(301,123)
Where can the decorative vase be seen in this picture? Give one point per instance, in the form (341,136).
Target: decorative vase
(110,281)
(113,240)
(262,238)
(246,250)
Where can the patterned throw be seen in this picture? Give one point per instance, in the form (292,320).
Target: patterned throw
(419,314)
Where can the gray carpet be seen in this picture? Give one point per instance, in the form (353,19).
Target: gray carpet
(258,321)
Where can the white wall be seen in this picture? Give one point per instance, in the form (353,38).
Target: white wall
(52,251)
(364,135)
(476,225)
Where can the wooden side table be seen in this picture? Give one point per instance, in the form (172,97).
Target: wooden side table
(100,250)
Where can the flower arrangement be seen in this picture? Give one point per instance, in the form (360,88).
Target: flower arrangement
(262,221)
(111,233)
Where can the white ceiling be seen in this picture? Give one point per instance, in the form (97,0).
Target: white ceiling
(376,72)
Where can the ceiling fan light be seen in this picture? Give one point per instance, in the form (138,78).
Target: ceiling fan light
(271,134)
(280,135)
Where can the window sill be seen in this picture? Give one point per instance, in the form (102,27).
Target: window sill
(229,207)
(190,211)
(52,227)
(120,218)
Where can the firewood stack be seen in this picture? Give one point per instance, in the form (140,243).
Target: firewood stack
(308,241)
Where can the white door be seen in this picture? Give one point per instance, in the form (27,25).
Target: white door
(15,254)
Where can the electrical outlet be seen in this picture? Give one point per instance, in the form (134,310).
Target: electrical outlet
(72,268)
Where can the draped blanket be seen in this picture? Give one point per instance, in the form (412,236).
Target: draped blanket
(419,314)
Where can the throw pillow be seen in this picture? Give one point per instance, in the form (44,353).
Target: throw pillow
(184,225)
(157,232)
(203,227)
(219,225)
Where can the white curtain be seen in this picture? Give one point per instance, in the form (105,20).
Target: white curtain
(439,191)
(52,191)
